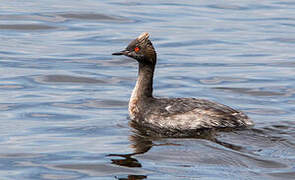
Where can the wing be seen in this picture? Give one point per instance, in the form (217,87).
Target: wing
(190,113)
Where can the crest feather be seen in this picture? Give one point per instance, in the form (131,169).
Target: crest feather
(143,36)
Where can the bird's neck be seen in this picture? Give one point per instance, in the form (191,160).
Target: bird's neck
(144,84)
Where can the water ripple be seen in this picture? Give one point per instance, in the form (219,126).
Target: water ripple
(64,97)
(27,27)
(67,79)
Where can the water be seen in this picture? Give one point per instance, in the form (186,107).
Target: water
(63,97)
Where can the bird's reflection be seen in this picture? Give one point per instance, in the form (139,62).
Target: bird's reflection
(142,141)
(133,177)
(140,146)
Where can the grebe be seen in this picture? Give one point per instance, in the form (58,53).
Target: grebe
(173,117)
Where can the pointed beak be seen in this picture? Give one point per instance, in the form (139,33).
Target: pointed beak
(124,52)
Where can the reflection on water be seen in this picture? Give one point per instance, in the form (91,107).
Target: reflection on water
(64,98)
(243,146)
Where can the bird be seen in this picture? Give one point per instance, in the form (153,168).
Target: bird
(173,117)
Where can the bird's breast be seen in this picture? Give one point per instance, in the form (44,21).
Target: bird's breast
(133,108)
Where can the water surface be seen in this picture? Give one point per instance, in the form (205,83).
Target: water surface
(63,97)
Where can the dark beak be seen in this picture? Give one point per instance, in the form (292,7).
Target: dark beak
(124,52)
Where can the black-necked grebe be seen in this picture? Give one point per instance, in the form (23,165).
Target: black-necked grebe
(173,117)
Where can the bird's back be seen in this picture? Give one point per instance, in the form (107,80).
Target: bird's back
(190,114)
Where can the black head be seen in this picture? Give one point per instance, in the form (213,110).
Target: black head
(140,49)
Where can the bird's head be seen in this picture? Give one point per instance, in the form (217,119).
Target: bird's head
(140,49)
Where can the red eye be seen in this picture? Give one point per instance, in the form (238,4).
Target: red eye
(136,49)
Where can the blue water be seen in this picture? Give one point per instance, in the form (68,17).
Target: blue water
(64,98)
